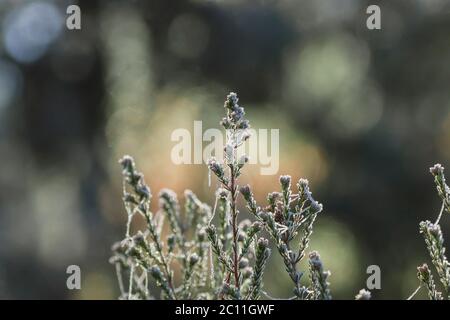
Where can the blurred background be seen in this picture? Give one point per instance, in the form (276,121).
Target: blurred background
(362,114)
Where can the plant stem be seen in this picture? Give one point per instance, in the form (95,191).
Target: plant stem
(130,284)
(235,227)
(158,246)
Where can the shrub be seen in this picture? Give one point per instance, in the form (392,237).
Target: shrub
(434,241)
(219,256)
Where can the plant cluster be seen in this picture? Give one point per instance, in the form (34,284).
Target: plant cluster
(209,253)
(434,241)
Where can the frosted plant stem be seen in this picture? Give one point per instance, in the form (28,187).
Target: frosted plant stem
(235,228)
(211,267)
(414,293)
(440,213)
(209,177)
(214,211)
(127,234)
(130,285)
(119,278)
(146,283)
(129,212)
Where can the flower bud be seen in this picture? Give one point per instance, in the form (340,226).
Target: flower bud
(246,192)
(127,162)
(316,207)
(314,260)
(263,243)
(437,169)
(303,183)
(363,295)
(243,263)
(285,182)
(193,259)
(216,168)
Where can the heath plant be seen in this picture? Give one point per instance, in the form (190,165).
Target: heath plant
(434,241)
(209,252)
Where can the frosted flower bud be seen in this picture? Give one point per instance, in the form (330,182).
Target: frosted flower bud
(127,162)
(246,192)
(232,100)
(285,182)
(423,270)
(437,169)
(243,263)
(363,295)
(303,183)
(168,195)
(435,230)
(314,259)
(193,259)
(216,168)
(316,206)
(263,243)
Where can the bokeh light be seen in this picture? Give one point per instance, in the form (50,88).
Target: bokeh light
(30,29)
